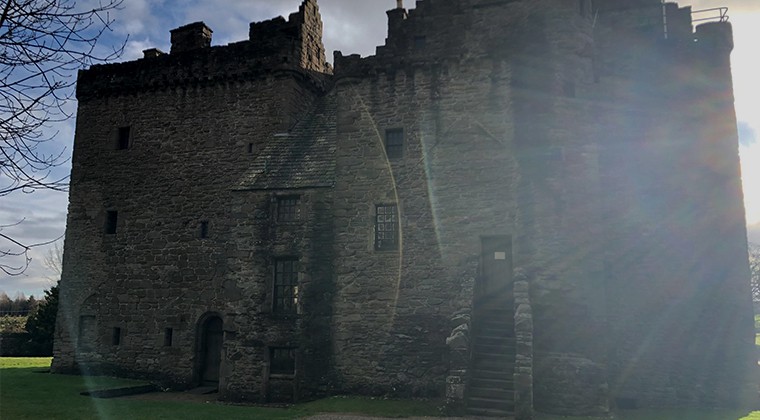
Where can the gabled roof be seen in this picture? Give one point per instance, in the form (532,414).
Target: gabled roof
(301,158)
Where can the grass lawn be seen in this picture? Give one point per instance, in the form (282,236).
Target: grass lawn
(27,393)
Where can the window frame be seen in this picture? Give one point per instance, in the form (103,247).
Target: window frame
(380,227)
(111,225)
(394,143)
(168,337)
(203,229)
(116,335)
(293,204)
(285,284)
(275,369)
(124,137)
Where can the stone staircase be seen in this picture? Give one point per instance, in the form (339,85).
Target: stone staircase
(491,390)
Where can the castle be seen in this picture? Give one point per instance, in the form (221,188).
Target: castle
(516,204)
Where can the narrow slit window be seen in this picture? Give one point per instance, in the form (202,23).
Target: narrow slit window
(394,143)
(112,218)
(285,297)
(168,337)
(250,148)
(123,138)
(386,227)
(116,336)
(204,229)
(420,42)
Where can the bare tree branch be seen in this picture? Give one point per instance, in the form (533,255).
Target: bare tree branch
(43,43)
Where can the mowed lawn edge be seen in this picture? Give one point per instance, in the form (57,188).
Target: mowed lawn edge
(28,392)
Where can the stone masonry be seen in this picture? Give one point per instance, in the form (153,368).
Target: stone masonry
(516,204)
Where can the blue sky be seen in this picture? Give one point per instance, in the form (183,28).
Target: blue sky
(352,26)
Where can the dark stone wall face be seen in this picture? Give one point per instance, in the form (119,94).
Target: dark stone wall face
(392,307)
(188,148)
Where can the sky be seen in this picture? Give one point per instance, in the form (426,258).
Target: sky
(351,26)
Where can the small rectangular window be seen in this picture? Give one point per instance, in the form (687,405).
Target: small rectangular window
(285,298)
(204,229)
(419,42)
(287,209)
(116,336)
(386,227)
(250,148)
(282,361)
(394,143)
(112,217)
(123,139)
(168,336)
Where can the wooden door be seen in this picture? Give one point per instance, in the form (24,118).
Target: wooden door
(496,269)
(211,350)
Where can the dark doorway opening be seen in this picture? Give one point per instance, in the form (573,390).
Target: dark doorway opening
(210,351)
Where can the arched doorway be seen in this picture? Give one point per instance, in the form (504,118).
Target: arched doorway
(210,350)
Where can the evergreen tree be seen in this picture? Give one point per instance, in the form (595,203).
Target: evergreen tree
(41,324)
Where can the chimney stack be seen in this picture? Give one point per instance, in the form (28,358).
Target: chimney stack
(399,4)
(190,37)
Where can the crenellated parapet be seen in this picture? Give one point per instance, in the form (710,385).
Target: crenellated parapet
(275,46)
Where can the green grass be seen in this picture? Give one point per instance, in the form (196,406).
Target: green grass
(26,392)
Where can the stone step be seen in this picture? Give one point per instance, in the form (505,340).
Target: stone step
(491,383)
(493,374)
(493,332)
(506,348)
(490,403)
(506,395)
(489,340)
(486,412)
(505,312)
(501,365)
(496,323)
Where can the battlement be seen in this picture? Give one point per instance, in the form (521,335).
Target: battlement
(276,45)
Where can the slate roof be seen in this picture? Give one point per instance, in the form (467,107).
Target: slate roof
(302,158)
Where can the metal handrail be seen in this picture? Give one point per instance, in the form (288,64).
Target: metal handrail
(718,14)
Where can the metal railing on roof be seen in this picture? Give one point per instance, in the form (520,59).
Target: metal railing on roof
(716,14)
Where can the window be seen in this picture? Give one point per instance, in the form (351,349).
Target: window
(287,209)
(111,220)
(282,361)
(122,141)
(394,143)
(250,148)
(116,336)
(386,227)
(204,229)
(285,296)
(168,336)
(419,42)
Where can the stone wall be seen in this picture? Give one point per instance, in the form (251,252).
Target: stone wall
(188,148)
